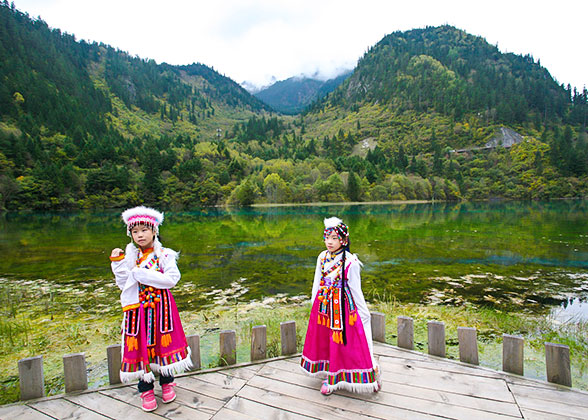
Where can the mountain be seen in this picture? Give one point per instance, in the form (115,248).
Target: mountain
(293,95)
(52,81)
(80,121)
(422,116)
(446,70)
(445,77)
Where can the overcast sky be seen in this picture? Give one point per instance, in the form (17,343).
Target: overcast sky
(258,41)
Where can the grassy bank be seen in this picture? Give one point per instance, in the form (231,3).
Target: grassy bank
(24,334)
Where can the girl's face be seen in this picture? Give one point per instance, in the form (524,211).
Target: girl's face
(332,242)
(143,236)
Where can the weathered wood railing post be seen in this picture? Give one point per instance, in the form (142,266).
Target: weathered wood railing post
(228,347)
(436,338)
(405,332)
(194,343)
(468,345)
(74,372)
(378,327)
(258,343)
(513,354)
(288,337)
(32,380)
(113,355)
(557,364)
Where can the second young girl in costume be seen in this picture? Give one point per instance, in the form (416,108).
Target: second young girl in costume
(338,341)
(153,338)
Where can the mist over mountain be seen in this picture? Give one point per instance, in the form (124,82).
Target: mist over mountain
(293,95)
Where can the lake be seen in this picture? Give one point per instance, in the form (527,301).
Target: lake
(516,256)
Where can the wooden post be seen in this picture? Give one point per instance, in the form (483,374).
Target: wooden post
(113,355)
(194,343)
(32,380)
(258,343)
(379,327)
(513,354)
(468,345)
(228,347)
(405,332)
(288,333)
(74,372)
(436,338)
(557,363)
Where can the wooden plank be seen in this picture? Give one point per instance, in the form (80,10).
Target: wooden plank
(110,407)
(228,347)
(513,354)
(536,383)
(557,364)
(262,411)
(538,415)
(405,328)
(174,410)
(298,406)
(21,412)
(215,385)
(245,372)
(442,404)
(258,343)
(31,378)
(391,351)
(492,389)
(468,345)
(227,414)
(74,372)
(277,371)
(352,406)
(113,355)
(218,378)
(378,326)
(196,400)
(288,337)
(556,394)
(551,407)
(62,409)
(450,366)
(194,343)
(436,338)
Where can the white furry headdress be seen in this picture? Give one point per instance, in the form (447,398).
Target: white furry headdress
(142,215)
(331,222)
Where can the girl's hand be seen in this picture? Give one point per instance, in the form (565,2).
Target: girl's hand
(116,252)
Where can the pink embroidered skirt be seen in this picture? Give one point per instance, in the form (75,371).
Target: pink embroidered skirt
(154,341)
(345,366)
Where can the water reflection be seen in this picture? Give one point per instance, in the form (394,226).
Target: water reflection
(509,255)
(571,311)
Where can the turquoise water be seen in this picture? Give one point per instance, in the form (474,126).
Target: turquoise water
(528,256)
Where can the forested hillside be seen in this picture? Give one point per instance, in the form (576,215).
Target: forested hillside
(85,125)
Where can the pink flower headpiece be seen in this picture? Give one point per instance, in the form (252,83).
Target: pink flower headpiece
(142,215)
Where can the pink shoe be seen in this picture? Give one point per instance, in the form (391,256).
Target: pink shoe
(168,394)
(149,403)
(325,388)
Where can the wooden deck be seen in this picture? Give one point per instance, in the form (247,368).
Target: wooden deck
(415,386)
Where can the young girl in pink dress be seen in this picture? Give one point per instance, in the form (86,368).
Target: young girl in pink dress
(338,341)
(153,338)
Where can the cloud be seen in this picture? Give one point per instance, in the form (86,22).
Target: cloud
(257,40)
